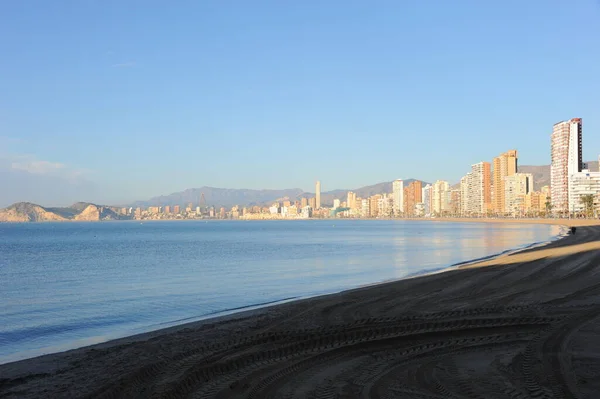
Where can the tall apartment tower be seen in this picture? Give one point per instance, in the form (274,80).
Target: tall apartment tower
(480,188)
(504,165)
(566,155)
(351,200)
(398,196)
(440,197)
(413,194)
(318,195)
(465,194)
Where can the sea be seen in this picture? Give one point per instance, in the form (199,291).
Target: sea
(68,285)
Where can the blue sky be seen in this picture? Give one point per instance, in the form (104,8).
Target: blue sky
(112,101)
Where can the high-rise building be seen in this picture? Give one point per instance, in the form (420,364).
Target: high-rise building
(478,189)
(517,186)
(374,205)
(351,200)
(566,160)
(427,198)
(413,194)
(455,202)
(318,195)
(364,207)
(336,203)
(303,202)
(440,197)
(398,196)
(504,165)
(583,183)
(464,194)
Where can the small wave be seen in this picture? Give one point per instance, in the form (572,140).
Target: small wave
(223,312)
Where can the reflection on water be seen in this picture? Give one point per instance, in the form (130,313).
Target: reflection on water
(65,285)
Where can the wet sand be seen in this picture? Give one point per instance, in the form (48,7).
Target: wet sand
(521,325)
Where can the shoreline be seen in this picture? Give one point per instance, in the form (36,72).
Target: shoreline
(270,317)
(168,325)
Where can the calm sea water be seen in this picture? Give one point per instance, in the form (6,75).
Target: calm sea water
(67,285)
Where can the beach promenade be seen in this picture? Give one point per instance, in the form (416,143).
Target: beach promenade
(518,326)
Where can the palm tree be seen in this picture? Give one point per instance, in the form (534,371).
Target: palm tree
(548,207)
(587,200)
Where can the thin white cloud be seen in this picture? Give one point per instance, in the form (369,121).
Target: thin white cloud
(38,167)
(129,64)
(30,164)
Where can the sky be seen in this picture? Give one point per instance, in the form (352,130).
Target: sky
(111,101)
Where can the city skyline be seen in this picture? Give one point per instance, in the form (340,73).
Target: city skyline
(99,109)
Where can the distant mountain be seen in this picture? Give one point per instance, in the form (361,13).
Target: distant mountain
(220,197)
(228,197)
(541,173)
(28,212)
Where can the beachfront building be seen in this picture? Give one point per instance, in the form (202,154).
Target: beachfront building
(398,196)
(427,196)
(374,205)
(440,200)
(413,194)
(455,202)
(535,203)
(566,160)
(336,203)
(385,205)
(504,165)
(318,195)
(306,212)
(516,188)
(476,190)
(351,200)
(464,194)
(364,207)
(583,183)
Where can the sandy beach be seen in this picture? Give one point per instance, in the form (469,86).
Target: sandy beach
(521,325)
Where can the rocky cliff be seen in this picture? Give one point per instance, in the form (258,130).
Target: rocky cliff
(94,213)
(28,212)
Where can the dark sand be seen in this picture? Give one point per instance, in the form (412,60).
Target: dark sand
(518,326)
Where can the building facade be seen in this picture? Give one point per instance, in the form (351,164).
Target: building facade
(516,188)
(398,196)
(427,196)
(583,183)
(413,194)
(318,195)
(504,165)
(440,197)
(566,160)
(479,189)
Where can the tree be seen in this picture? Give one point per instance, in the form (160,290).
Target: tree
(548,207)
(587,200)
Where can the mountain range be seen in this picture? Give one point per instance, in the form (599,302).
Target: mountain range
(229,197)
(541,173)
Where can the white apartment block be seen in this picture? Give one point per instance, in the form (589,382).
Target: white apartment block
(336,203)
(583,183)
(426,195)
(464,194)
(440,197)
(566,160)
(516,187)
(306,212)
(364,208)
(398,196)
